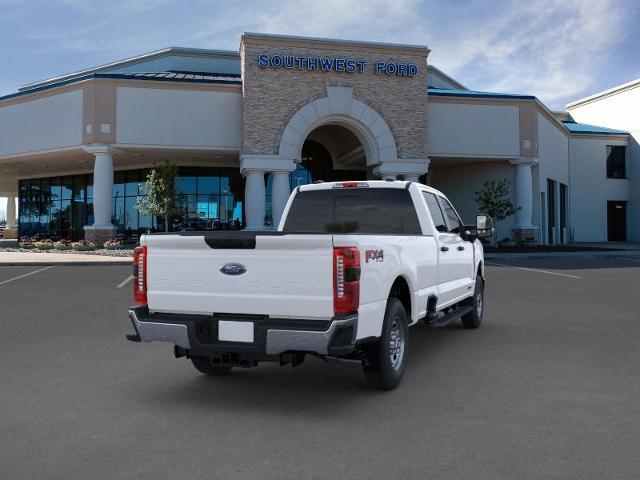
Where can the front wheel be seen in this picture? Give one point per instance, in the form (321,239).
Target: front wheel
(386,359)
(204,365)
(473,319)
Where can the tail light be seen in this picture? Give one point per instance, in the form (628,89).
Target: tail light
(346,279)
(140,275)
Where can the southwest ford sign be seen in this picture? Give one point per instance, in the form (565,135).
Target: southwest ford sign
(331,64)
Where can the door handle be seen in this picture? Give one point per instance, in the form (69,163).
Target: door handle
(460,248)
(444,249)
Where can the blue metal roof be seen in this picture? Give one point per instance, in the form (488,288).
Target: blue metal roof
(173,76)
(575,127)
(444,92)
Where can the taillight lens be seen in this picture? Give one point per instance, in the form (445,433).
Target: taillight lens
(140,275)
(346,279)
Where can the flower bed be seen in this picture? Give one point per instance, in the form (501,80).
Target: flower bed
(112,247)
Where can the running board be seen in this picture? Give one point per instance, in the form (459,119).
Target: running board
(442,319)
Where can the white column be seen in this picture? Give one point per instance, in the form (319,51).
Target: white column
(409,169)
(11,211)
(103,190)
(524,192)
(254,199)
(279,195)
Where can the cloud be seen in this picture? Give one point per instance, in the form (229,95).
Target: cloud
(557,50)
(547,48)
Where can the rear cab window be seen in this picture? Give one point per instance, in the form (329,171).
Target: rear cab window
(381,211)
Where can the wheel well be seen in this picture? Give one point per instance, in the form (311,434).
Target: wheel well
(400,290)
(481,269)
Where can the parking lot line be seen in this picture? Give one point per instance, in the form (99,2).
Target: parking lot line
(25,275)
(125,281)
(534,270)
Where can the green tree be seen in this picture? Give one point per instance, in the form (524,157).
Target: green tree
(160,199)
(493,199)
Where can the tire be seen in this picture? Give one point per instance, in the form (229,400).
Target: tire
(204,365)
(473,319)
(383,367)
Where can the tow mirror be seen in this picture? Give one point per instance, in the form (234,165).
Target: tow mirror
(484,226)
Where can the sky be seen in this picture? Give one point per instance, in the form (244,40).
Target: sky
(558,50)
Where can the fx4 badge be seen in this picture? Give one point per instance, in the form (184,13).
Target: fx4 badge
(374,256)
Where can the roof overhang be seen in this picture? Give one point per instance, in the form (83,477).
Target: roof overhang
(291,40)
(605,93)
(145,57)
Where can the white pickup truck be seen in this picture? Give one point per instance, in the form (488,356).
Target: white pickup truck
(351,267)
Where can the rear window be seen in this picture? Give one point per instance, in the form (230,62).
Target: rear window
(354,210)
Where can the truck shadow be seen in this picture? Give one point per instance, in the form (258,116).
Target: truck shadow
(317,388)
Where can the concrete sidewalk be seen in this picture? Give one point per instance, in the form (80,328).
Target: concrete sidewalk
(592,254)
(33,258)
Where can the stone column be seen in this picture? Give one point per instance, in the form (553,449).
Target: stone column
(279,195)
(102,228)
(254,199)
(524,198)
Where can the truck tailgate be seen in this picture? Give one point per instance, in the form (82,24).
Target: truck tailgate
(284,275)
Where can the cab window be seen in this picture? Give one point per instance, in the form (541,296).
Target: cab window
(454,223)
(435,211)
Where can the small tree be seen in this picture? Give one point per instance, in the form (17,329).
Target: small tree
(494,200)
(160,200)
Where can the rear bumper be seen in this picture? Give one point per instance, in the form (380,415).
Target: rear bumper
(197,334)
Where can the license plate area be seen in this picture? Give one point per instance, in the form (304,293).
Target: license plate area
(236,331)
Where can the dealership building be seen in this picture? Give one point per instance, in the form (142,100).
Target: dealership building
(246,127)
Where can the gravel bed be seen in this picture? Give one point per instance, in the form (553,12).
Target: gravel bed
(124,252)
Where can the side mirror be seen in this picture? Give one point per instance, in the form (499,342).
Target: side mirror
(484,226)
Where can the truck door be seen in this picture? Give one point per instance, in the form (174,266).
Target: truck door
(446,243)
(463,264)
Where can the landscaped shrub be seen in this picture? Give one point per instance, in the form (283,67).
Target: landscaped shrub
(26,242)
(113,244)
(62,245)
(83,245)
(43,244)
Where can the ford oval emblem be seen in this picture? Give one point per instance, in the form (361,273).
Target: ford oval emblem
(233,269)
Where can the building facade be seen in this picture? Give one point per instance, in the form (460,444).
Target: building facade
(246,127)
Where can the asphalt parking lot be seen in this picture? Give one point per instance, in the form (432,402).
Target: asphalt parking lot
(548,387)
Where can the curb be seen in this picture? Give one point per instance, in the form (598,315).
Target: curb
(80,263)
(595,254)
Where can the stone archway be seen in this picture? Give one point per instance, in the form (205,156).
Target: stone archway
(340,108)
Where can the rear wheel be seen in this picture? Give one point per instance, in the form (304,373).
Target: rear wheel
(473,319)
(204,365)
(386,359)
